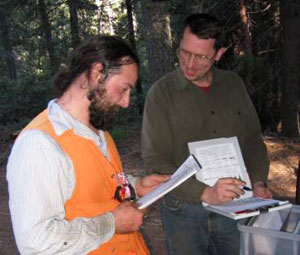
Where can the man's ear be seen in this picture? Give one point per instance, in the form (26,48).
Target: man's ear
(95,73)
(220,53)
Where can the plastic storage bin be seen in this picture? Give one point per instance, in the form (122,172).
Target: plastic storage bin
(275,233)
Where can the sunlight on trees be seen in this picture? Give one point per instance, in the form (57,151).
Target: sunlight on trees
(36,37)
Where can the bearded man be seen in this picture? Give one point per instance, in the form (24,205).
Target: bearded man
(65,178)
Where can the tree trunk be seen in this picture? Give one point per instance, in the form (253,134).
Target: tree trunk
(130,24)
(157,35)
(100,5)
(48,35)
(290,21)
(247,46)
(10,61)
(74,22)
(298,185)
(139,89)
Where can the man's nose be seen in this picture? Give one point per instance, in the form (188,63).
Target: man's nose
(191,61)
(125,101)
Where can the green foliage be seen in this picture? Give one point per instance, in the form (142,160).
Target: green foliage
(22,99)
(21,102)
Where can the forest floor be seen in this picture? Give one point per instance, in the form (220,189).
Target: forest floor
(283,155)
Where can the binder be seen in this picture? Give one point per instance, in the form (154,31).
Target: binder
(248,207)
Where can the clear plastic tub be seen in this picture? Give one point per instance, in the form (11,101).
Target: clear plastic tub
(276,233)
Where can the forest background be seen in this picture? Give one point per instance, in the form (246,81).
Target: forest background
(264,39)
(37,35)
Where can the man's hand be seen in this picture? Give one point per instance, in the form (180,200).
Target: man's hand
(146,184)
(224,190)
(260,190)
(127,218)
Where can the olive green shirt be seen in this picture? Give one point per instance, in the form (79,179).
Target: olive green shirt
(177,112)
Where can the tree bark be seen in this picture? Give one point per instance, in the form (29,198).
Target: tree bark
(100,11)
(130,24)
(139,89)
(7,47)
(298,185)
(247,45)
(157,34)
(48,35)
(74,22)
(290,21)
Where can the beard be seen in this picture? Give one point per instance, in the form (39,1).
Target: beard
(102,113)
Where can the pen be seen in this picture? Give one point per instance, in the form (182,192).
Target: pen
(247,188)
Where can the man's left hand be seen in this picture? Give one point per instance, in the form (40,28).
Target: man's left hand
(260,190)
(146,184)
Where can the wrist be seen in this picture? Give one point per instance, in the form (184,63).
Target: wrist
(205,196)
(260,184)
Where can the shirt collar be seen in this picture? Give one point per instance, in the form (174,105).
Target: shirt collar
(63,121)
(185,84)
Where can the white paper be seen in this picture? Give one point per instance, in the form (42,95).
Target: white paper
(185,171)
(220,158)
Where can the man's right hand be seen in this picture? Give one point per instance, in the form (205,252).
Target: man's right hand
(127,218)
(224,190)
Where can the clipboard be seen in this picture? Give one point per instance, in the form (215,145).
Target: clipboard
(248,207)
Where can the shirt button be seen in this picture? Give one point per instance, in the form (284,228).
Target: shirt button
(65,243)
(214,131)
(112,249)
(212,112)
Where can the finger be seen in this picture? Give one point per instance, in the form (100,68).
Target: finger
(230,187)
(263,193)
(144,211)
(235,189)
(160,178)
(231,194)
(231,181)
(227,197)
(165,177)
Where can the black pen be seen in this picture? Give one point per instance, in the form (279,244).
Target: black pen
(247,188)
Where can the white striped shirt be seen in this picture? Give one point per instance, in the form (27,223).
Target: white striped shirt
(40,180)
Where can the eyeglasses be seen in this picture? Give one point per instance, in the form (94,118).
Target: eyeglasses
(197,58)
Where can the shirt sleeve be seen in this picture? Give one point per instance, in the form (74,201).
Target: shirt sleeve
(255,151)
(40,179)
(157,141)
(157,145)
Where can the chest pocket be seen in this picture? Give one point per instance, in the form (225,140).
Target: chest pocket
(234,124)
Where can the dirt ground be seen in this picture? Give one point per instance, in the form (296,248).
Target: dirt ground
(284,158)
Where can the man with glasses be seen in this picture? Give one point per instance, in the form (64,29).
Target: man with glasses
(198,102)
(67,190)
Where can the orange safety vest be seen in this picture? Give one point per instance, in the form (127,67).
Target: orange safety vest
(95,184)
